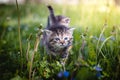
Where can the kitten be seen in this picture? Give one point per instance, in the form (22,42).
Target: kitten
(59,19)
(57,37)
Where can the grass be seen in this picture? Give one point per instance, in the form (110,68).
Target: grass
(95,53)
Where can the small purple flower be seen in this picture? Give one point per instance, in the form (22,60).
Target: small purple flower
(60,74)
(97,68)
(102,38)
(73,79)
(98,74)
(66,74)
(112,38)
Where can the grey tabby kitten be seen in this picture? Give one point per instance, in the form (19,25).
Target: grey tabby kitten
(59,19)
(57,38)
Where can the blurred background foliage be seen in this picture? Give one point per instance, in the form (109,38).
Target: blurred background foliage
(96,47)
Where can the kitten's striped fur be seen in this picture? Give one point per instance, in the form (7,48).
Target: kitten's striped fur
(59,19)
(57,37)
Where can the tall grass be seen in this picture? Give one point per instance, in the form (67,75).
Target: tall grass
(94,55)
(19,33)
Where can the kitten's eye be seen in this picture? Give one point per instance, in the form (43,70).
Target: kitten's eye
(57,39)
(66,38)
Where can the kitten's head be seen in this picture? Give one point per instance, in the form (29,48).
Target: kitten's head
(63,20)
(60,36)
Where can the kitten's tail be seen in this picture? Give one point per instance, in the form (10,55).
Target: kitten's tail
(50,9)
(52,15)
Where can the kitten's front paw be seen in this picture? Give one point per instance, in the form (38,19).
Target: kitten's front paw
(64,55)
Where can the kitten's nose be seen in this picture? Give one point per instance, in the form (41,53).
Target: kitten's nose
(62,42)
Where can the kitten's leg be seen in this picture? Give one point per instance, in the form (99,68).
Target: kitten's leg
(63,59)
(66,53)
(65,56)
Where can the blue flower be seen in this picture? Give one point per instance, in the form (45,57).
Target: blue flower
(66,74)
(98,74)
(97,68)
(112,38)
(60,74)
(73,79)
(102,38)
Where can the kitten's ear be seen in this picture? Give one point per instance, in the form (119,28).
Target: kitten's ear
(67,20)
(71,30)
(47,32)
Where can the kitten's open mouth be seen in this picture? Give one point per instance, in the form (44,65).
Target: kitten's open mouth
(62,45)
